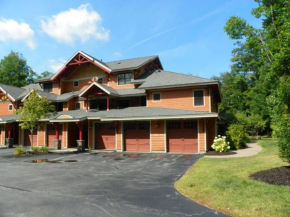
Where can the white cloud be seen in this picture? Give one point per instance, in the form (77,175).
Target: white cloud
(117,54)
(56,65)
(82,23)
(11,30)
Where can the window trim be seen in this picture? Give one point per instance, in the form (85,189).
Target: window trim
(76,105)
(203,98)
(153,97)
(124,78)
(9,107)
(76,85)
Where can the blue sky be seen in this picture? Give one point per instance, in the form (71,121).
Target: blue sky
(187,35)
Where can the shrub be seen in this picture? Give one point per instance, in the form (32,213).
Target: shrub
(43,149)
(238,135)
(220,144)
(20,151)
(35,149)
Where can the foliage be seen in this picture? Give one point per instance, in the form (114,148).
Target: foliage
(229,178)
(44,74)
(34,109)
(262,56)
(220,144)
(15,71)
(35,149)
(238,135)
(43,149)
(20,150)
(252,123)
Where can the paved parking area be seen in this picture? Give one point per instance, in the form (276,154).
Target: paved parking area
(103,185)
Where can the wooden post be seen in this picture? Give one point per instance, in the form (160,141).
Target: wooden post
(108,103)
(87,104)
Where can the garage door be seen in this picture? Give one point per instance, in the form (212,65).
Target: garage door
(51,134)
(137,136)
(105,136)
(28,138)
(182,136)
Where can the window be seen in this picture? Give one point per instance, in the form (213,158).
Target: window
(130,126)
(76,83)
(198,97)
(78,105)
(156,96)
(144,126)
(47,87)
(10,107)
(190,125)
(59,106)
(143,101)
(123,103)
(124,78)
(174,125)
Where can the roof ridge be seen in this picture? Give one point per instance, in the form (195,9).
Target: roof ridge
(181,73)
(131,59)
(12,86)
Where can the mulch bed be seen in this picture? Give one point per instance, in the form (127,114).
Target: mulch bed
(213,153)
(27,155)
(275,176)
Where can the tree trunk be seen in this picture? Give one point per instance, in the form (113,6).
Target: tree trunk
(31,131)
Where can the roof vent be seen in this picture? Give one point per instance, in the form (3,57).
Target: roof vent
(119,62)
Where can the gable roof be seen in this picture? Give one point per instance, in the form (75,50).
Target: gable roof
(130,64)
(11,92)
(46,78)
(165,79)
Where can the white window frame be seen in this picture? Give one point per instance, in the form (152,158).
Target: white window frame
(76,85)
(9,107)
(203,98)
(76,106)
(153,96)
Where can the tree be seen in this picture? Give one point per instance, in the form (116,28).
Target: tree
(44,74)
(34,109)
(264,54)
(15,71)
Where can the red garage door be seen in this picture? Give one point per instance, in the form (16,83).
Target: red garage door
(137,136)
(50,132)
(182,136)
(28,138)
(105,136)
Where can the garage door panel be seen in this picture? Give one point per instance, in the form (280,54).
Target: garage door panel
(137,136)
(182,136)
(28,138)
(105,136)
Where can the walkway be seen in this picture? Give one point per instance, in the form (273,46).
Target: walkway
(253,149)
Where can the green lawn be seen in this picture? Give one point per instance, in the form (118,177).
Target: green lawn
(224,184)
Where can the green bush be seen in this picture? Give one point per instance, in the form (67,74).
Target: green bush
(20,151)
(35,149)
(43,149)
(220,144)
(238,135)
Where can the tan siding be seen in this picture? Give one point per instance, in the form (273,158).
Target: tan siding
(179,99)
(86,71)
(157,136)
(41,135)
(19,136)
(4,108)
(211,128)
(119,136)
(2,138)
(64,135)
(55,88)
(65,106)
(201,135)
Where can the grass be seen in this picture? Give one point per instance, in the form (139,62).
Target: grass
(224,184)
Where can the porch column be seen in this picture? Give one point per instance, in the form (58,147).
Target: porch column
(108,103)
(80,142)
(57,142)
(9,140)
(87,104)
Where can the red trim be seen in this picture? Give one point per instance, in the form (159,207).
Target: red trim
(56,130)
(80,126)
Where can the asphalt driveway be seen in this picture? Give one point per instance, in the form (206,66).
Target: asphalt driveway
(102,185)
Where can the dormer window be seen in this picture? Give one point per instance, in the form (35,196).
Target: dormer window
(77,106)
(124,78)
(156,97)
(100,80)
(10,107)
(47,87)
(76,83)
